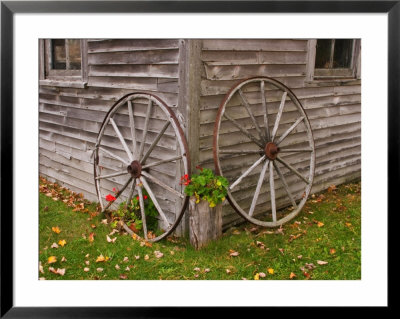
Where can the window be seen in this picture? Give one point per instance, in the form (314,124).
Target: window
(334,59)
(63,62)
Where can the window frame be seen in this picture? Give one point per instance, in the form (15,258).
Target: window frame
(63,78)
(340,74)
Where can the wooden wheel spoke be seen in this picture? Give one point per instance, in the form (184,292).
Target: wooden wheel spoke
(178,157)
(278,116)
(249,170)
(131,191)
(294,150)
(289,130)
(132,125)
(272,186)
(295,171)
(285,184)
(258,188)
(264,104)
(119,193)
(247,107)
(146,127)
(154,143)
(154,199)
(239,151)
(112,175)
(114,156)
(142,211)
(243,130)
(121,138)
(162,184)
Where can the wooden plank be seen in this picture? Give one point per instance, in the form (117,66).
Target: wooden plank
(140,57)
(135,70)
(255,44)
(129,45)
(233,72)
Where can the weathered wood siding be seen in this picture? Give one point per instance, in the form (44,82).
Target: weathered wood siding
(333,108)
(70,118)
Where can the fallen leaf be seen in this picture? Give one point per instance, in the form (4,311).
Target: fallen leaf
(111,240)
(236,232)
(54,245)
(196,275)
(51,269)
(196,269)
(146,257)
(61,271)
(87,262)
(123,276)
(331,188)
(292,275)
(348,224)
(104,221)
(93,226)
(207,270)
(101,258)
(62,242)
(87,255)
(42,278)
(262,275)
(56,229)
(52,259)
(233,253)
(306,274)
(127,268)
(117,267)
(113,232)
(63,259)
(281,250)
(320,224)
(172,252)
(310,266)
(91,237)
(257,276)
(125,259)
(99,269)
(228,271)
(158,254)
(332,251)
(299,256)
(41,268)
(137,257)
(321,262)
(270,271)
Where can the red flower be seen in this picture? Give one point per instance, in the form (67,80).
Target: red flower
(145,196)
(110,198)
(199,167)
(137,197)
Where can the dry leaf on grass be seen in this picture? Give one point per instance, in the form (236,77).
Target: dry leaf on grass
(54,245)
(56,229)
(158,254)
(99,269)
(111,240)
(233,253)
(62,242)
(292,275)
(52,259)
(321,262)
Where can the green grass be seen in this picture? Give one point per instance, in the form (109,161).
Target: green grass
(337,242)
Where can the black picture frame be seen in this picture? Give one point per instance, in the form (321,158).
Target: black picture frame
(9,8)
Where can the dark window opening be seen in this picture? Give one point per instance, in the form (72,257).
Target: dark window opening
(66,54)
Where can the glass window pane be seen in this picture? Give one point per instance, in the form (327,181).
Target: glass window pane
(74,46)
(58,54)
(343,52)
(323,54)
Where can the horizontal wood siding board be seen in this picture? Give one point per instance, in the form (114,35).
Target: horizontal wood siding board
(135,70)
(232,72)
(127,45)
(255,44)
(253,57)
(140,57)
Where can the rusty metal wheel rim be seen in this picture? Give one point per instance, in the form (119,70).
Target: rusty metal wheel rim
(136,166)
(267,145)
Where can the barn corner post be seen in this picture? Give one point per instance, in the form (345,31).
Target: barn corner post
(202,223)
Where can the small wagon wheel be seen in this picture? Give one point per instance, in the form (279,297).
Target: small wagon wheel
(263,145)
(141,149)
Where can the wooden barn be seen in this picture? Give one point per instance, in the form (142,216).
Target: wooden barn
(202,82)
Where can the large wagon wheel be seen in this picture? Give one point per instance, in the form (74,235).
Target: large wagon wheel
(142,148)
(263,145)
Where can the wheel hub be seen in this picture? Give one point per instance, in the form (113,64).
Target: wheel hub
(135,169)
(271,150)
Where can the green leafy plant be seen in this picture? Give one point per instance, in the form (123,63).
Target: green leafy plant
(206,186)
(130,212)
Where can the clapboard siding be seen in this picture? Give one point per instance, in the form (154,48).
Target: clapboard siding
(333,108)
(70,118)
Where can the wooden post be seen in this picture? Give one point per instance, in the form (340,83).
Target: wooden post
(205,222)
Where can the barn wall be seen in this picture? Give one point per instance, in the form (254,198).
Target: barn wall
(333,108)
(70,118)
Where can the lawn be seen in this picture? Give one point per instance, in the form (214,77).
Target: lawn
(322,243)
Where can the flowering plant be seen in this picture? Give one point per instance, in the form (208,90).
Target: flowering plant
(130,212)
(206,185)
